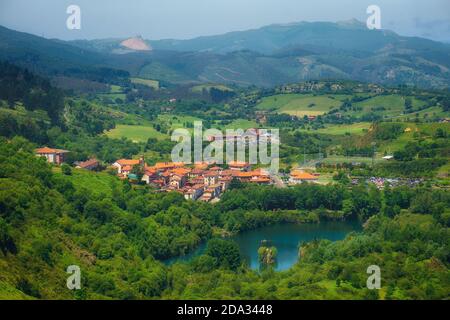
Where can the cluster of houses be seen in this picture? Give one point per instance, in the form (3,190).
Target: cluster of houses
(202,181)
(249,136)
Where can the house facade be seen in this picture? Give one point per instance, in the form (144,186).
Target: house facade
(55,156)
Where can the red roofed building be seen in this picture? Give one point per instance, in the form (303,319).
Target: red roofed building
(298,176)
(56,156)
(239,165)
(90,164)
(124,166)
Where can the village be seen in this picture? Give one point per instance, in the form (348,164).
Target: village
(203,181)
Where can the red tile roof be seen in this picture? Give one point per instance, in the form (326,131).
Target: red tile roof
(46,150)
(128,162)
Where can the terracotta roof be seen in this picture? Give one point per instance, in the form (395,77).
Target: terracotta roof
(168,165)
(302,175)
(238,164)
(166,174)
(215,168)
(181,171)
(244,174)
(201,166)
(46,150)
(227,173)
(128,162)
(210,174)
(150,173)
(88,163)
(127,168)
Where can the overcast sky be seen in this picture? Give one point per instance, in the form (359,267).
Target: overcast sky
(181,19)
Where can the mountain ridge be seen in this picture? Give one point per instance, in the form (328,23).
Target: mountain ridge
(265,57)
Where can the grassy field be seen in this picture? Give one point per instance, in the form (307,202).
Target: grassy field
(389,106)
(96,182)
(394,105)
(115,89)
(334,159)
(301,104)
(425,129)
(135,133)
(177,121)
(146,82)
(240,124)
(354,129)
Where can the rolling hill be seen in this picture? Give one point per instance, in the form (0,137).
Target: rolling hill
(265,57)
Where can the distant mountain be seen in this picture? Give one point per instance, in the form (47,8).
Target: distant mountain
(136,44)
(266,57)
(55,58)
(309,50)
(349,36)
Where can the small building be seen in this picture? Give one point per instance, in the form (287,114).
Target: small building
(225,182)
(210,178)
(194,192)
(124,166)
(177,181)
(206,197)
(90,164)
(215,190)
(239,165)
(298,176)
(55,156)
(150,176)
(260,180)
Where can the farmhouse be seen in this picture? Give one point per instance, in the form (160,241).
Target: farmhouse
(55,156)
(90,164)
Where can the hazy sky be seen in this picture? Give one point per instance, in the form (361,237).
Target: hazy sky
(181,19)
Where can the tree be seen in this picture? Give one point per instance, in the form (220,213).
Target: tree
(226,252)
(6,241)
(66,169)
(235,184)
(267,255)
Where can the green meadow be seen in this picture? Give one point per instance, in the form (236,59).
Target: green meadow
(146,82)
(301,104)
(135,133)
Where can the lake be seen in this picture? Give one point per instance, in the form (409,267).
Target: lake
(285,237)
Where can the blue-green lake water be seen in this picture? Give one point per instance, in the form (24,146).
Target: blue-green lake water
(285,237)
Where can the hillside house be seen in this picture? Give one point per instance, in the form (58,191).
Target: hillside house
(55,156)
(124,166)
(90,164)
